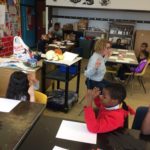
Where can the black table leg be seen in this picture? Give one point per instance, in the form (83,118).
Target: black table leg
(43,73)
(66,89)
(78,77)
(58,84)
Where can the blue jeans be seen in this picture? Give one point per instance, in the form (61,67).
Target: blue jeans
(99,84)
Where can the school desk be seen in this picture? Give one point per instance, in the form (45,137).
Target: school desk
(43,137)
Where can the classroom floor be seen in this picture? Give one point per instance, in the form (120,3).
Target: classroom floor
(135,97)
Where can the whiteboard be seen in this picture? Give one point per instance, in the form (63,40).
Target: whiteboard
(112,4)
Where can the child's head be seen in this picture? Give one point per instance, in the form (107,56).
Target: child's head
(102,46)
(144,46)
(144,55)
(18,86)
(118,42)
(113,95)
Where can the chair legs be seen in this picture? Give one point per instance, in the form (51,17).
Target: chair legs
(140,79)
(130,80)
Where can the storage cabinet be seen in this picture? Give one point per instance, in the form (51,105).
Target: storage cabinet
(123,31)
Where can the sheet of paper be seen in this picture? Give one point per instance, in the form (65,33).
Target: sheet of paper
(130,53)
(58,148)
(113,57)
(128,59)
(75,131)
(6,105)
(65,62)
(62,46)
(115,52)
(122,61)
(122,50)
(68,56)
(53,45)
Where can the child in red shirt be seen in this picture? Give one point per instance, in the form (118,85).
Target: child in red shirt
(111,114)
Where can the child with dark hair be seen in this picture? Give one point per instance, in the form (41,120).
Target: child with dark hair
(113,111)
(144,46)
(20,87)
(143,59)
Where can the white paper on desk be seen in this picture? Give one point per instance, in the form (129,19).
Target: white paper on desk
(75,131)
(53,45)
(58,148)
(115,52)
(68,56)
(113,57)
(6,105)
(128,59)
(122,50)
(123,61)
(130,53)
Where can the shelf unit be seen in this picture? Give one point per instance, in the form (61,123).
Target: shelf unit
(124,31)
(59,76)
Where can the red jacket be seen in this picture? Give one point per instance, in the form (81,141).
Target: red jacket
(107,120)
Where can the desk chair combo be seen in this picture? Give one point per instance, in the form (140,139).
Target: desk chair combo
(139,77)
(131,76)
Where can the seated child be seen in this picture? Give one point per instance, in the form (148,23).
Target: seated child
(143,58)
(42,43)
(21,87)
(113,111)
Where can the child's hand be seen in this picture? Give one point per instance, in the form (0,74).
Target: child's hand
(89,98)
(98,63)
(96,92)
(91,95)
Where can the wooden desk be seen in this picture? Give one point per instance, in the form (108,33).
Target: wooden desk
(42,137)
(120,56)
(16,124)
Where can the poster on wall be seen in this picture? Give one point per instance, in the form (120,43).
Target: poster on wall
(12,18)
(102,4)
(2,20)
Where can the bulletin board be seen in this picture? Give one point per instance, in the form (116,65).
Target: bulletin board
(10,19)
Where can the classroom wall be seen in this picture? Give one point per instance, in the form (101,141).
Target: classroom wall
(113,4)
(126,15)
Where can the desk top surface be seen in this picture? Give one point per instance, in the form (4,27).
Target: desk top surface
(15,125)
(43,136)
(64,62)
(123,57)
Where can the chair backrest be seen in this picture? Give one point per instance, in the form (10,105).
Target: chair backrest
(145,68)
(40,97)
(139,117)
